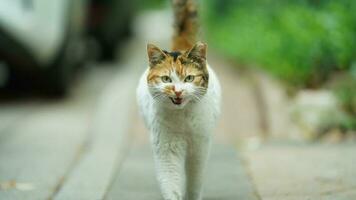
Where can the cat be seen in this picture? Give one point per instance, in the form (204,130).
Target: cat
(179,97)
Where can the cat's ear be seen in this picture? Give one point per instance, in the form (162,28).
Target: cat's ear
(155,55)
(198,53)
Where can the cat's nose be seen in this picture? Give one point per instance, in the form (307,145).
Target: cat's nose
(178,93)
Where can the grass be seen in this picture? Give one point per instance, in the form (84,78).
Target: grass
(301,43)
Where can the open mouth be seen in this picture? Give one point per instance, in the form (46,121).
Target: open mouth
(177,101)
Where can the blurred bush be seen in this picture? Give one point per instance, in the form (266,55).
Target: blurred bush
(301,42)
(344,87)
(152,4)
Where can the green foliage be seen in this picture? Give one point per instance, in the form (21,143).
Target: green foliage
(151,4)
(344,88)
(300,42)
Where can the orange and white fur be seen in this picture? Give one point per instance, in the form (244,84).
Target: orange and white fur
(179,98)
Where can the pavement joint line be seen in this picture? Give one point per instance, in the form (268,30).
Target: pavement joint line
(118,165)
(129,145)
(77,158)
(245,165)
(75,161)
(125,147)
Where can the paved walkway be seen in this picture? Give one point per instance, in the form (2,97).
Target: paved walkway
(292,171)
(93,145)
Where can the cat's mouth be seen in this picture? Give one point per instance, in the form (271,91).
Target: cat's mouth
(177,100)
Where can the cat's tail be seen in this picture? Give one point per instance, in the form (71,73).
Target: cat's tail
(185,24)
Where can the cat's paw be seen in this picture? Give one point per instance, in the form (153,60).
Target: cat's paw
(174,196)
(195,195)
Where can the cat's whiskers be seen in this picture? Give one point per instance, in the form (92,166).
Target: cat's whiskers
(200,92)
(196,97)
(158,98)
(200,89)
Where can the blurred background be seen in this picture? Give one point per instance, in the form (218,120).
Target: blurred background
(43,43)
(69,68)
(305,47)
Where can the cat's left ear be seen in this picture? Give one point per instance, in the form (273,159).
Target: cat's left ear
(155,55)
(198,53)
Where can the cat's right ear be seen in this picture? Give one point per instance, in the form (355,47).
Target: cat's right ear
(155,55)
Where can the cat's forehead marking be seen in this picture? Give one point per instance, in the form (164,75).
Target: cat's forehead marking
(180,69)
(174,54)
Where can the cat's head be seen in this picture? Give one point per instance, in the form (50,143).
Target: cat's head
(176,79)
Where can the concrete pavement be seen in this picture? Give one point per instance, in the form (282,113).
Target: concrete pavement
(93,145)
(295,171)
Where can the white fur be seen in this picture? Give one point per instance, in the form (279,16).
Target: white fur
(180,136)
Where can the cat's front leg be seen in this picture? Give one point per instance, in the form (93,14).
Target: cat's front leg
(195,165)
(170,159)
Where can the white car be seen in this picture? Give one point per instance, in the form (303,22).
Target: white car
(42,41)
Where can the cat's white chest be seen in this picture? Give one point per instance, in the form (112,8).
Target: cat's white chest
(185,121)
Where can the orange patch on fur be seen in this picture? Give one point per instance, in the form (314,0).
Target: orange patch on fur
(182,70)
(169,90)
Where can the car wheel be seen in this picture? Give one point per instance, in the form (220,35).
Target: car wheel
(56,78)
(108,51)
(109,48)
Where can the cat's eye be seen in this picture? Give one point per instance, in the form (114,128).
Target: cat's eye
(166,79)
(189,78)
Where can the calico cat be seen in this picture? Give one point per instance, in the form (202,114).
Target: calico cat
(179,98)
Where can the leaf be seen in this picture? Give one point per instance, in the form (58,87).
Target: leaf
(12,184)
